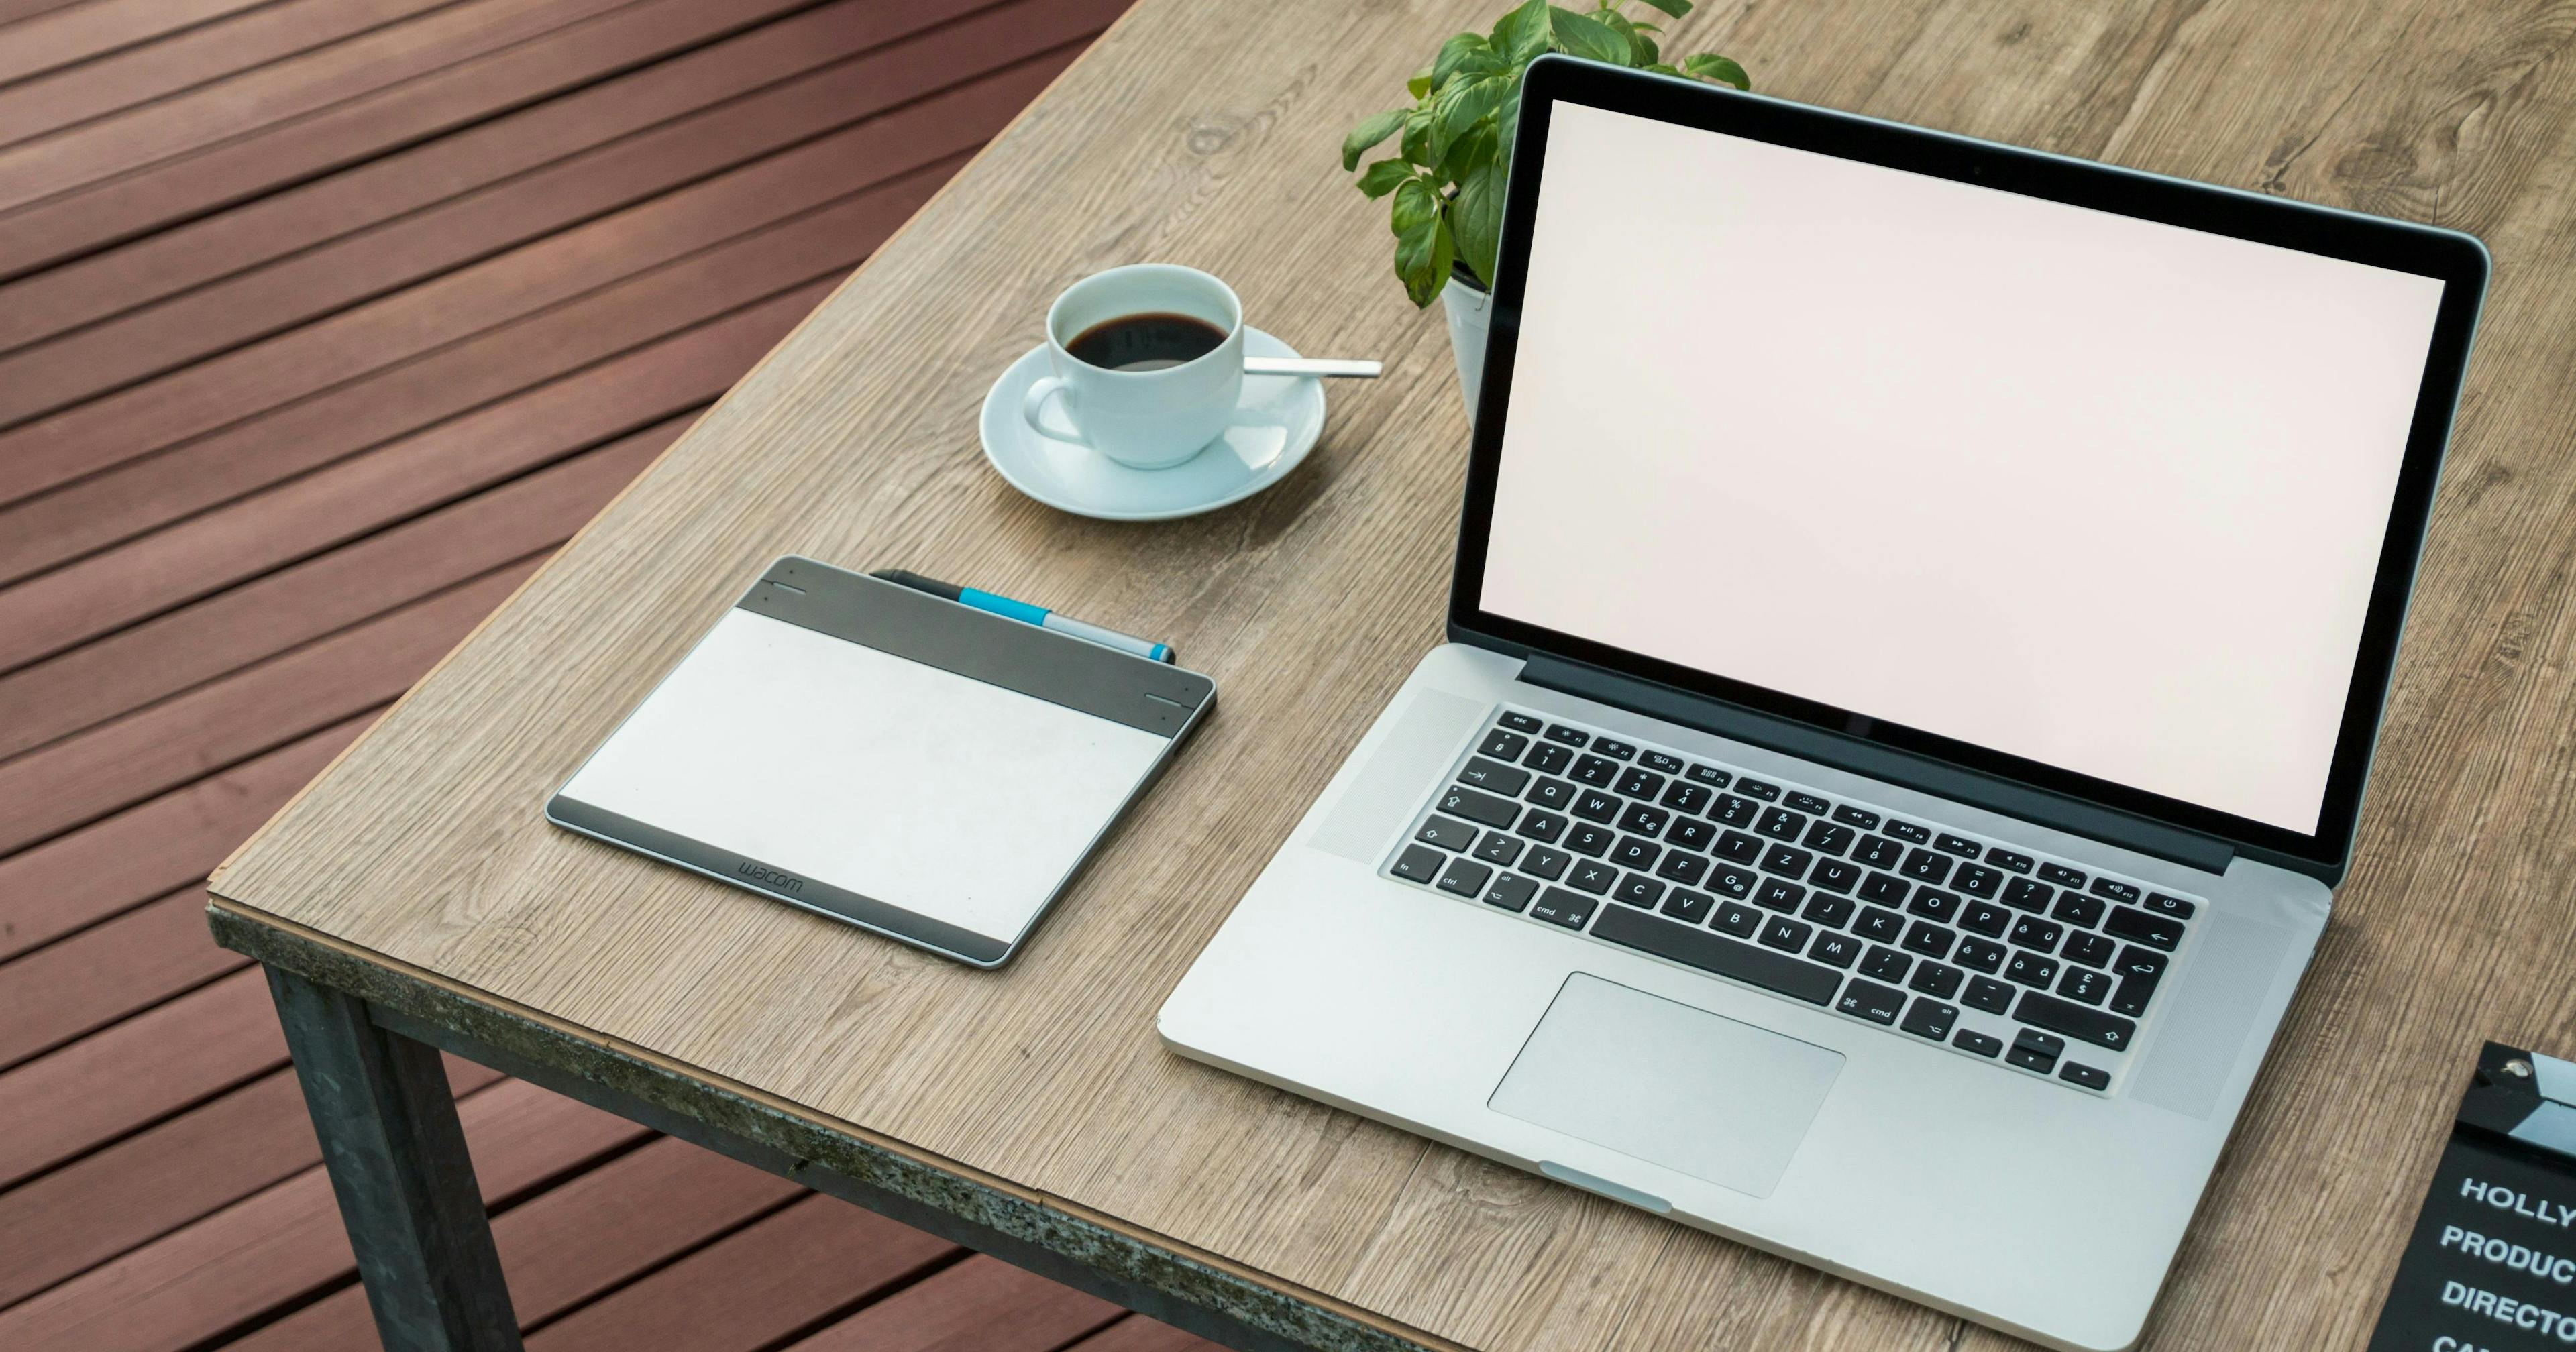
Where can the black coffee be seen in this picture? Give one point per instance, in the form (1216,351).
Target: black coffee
(1147,342)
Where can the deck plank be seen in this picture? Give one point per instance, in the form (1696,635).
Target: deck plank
(1136,1333)
(980,1305)
(285,1241)
(123,1196)
(105,973)
(83,32)
(579,1240)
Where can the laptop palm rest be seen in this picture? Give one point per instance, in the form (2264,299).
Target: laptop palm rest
(1660,1081)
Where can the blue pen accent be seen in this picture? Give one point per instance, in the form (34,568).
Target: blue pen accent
(995,603)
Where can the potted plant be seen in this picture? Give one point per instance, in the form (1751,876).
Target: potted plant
(1454,146)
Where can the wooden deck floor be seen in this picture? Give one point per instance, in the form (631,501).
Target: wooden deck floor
(321,323)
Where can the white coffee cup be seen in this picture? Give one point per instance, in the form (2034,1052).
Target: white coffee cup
(1144,419)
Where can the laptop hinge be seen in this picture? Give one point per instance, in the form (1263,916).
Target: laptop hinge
(1922,774)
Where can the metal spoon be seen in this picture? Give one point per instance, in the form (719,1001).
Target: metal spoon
(1311,366)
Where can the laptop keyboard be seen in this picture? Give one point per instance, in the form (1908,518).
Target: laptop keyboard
(1996,952)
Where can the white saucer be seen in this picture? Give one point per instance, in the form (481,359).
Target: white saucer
(1275,425)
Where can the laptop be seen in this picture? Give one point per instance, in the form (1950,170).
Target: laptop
(1921,618)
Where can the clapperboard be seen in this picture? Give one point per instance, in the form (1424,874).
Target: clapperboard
(2492,1265)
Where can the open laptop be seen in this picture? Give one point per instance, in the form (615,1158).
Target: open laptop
(1921,620)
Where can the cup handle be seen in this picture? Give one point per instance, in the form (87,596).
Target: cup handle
(1033,410)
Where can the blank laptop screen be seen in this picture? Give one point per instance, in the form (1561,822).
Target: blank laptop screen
(2099,492)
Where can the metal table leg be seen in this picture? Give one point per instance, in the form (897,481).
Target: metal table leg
(396,1153)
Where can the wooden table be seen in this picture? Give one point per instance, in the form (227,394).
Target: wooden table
(414,898)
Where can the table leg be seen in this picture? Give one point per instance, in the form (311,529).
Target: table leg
(396,1153)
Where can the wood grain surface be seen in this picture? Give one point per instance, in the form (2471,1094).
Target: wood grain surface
(1207,137)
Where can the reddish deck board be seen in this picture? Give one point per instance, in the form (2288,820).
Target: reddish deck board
(321,323)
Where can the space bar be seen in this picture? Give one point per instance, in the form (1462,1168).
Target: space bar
(1717,953)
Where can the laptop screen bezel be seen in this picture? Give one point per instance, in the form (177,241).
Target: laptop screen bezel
(2457,260)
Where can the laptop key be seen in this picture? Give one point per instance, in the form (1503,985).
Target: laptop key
(1498,848)
(1558,732)
(1597,771)
(1494,777)
(1640,782)
(1548,758)
(1593,876)
(2084,986)
(1420,863)
(1871,1001)
(1682,867)
(1615,750)
(1780,823)
(1758,788)
(1543,862)
(1735,847)
(2060,875)
(1876,923)
(1590,840)
(1447,834)
(1826,838)
(2041,1010)
(2036,1051)
(2115,889)
(1728,880)
(1835,950)
(2077,1073)
(1688,906)
(1808,803)
(1738,919)
(1934,904)
(1661,762)
(1633,852)
(1644,819)
(1990,995)
(1958,845)
(1734,811)
(1511,892)
(1977,880)
(1465,877)
(2026,895)
(1833,875)
(1879,852)
(1785,934)
(2075,908)
(1503,744)
(1478,806)
(1557,906)
(1908,832)
(1593,805)
(1825,910)
(1928,939)
(1521,722)
(1885,964)
(2030,969)
(1884,888)
(1691,833)
(1971,1041)
(2008,860)
(2036,934)
(1925,866)
(2139,970)
(1710,775)
(1779,895)
(1939,980)
(1985,918)
(2155,931)
(1684,797)
(2090,949)
(1980,955)
(1860,817)
(1556,795)
(2157,903)
(1930,1018)
(1787,861)
(1687,944)
(1544,827)
(1639,890)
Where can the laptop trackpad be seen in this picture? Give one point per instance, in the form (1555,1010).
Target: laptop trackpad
(1669,1084)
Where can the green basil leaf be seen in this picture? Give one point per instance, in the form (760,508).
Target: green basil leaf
(1675,8)
(1520,36)
(1586,37)
(1416,145)
(1383,176)
(1477,216)
(1642,50)
(1507,122)
(1420,84)
(1474,148)
(1464,54)
(1718,69)
(1367,134)
(1660,68)
(1467,102)
(1423,248)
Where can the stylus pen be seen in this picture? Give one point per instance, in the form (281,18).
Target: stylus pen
(1025,613)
